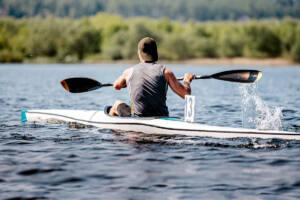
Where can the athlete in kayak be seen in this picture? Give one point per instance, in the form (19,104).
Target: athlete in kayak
(147,83)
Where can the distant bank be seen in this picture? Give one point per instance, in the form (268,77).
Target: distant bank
(239,62)
(251,62)
(106,37)
(199,10)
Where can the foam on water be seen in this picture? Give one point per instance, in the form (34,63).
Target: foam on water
(256,112)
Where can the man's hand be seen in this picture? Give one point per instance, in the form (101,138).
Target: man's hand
(188,78)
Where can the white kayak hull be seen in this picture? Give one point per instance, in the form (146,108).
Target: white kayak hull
(162,126)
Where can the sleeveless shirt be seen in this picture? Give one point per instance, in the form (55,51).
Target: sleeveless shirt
(148,90)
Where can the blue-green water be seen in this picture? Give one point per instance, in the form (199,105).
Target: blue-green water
(56,161)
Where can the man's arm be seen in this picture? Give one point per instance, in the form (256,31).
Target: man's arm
(176,86)
(121,81)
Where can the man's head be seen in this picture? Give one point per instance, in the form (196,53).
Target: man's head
(147,50)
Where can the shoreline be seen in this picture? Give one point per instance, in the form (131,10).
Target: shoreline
(254,62)
(241,62)
(248,62)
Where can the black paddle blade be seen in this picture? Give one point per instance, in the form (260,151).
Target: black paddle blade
(78,85)
(241,76)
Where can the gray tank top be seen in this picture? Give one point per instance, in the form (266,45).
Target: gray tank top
(148,89)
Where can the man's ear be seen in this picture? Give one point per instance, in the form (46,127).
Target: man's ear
(140,57)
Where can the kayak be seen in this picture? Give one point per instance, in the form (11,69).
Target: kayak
(149,125)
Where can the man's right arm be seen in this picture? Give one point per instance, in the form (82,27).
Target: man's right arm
(121,81)
(176,86)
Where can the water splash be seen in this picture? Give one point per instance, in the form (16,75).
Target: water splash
(256,113)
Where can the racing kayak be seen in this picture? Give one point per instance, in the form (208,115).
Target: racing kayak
(149,125)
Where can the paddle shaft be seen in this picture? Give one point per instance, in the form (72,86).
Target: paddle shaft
(107,84)
(196,77)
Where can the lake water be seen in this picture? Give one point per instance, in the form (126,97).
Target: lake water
(55,161)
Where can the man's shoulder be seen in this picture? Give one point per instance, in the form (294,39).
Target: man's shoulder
(169,75)
(167,71)
(127,71)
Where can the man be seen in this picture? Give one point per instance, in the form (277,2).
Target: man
(148,83)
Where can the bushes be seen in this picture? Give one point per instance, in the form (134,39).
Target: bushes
(204,47)
(296,52)
(295,49)
(7,56)
(86,41)
(231,42)
(123,44)
(262,41)
(174,48)
(114,50)
(112,37)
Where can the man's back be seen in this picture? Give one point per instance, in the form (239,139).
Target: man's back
(148,89)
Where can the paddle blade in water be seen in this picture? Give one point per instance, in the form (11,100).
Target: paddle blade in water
(241,76)
(78,85)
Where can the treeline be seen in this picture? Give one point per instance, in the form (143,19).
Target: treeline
(111,37)
(184,10)
(43,8)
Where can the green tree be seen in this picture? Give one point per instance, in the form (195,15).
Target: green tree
(86,41)
(296,52)
(114,50)
(261,41)
(174,48)
(231,42)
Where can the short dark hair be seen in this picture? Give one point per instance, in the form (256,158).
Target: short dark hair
(148,49)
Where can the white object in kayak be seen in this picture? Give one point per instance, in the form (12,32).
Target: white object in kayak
(189,108)
(152,125)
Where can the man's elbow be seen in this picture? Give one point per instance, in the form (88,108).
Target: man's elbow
(187,92)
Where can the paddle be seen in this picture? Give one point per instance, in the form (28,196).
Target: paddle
(78,85)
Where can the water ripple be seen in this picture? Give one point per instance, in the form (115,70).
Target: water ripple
(68,180)
(30,172)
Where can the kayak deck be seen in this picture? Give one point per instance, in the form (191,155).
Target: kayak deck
(151,125)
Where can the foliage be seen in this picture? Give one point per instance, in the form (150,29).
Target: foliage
(296,52)
(231,42)
(86,41)
(111,37)
(10,57)
(262,41)
(174,9)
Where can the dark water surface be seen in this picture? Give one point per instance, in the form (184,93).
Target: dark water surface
(57,161)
